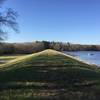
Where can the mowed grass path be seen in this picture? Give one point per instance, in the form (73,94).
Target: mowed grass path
(48,75)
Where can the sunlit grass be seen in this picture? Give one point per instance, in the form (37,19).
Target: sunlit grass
(48,75)
(9,58)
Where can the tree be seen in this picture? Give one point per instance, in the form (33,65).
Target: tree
(7,20)
(46,44)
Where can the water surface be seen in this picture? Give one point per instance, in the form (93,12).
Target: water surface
(89,56)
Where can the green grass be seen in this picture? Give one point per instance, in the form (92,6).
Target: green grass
(49,75)
(7,58)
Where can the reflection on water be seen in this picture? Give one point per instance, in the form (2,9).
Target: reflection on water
(90,56)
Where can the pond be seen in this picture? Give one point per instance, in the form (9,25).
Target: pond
(88,56)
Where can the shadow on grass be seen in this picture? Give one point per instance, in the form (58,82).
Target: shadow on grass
(49,83)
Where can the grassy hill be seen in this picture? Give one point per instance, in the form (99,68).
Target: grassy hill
(49,75)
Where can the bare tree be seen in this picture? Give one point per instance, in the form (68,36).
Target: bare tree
(7,19)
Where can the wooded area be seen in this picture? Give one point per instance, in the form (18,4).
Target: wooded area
(32,47)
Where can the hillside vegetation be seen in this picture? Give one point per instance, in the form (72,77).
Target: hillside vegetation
(49,75)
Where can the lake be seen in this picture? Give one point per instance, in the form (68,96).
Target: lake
(88,56)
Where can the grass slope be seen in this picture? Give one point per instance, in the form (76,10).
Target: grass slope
(48,75)
(6,58)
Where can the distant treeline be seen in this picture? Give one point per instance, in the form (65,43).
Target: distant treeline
(32,47)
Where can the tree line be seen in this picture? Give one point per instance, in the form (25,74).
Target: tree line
(32,47)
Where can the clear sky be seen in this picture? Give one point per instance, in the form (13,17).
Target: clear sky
(76,21)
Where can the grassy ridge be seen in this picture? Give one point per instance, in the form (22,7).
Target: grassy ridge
(7,58)
(48,75)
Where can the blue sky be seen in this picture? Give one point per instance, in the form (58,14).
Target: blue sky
(76,21)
